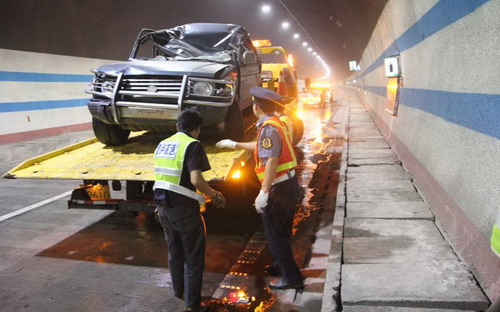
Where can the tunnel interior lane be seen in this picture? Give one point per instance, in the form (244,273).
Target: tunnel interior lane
(54,257)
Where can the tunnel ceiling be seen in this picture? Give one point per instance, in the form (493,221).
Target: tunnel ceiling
(338,29)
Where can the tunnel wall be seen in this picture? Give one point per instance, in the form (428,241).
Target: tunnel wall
(447,127)
(43,94)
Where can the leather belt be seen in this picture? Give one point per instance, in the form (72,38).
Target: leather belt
(290,174)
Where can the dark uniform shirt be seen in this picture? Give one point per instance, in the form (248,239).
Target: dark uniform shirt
(194,159)
(269,144)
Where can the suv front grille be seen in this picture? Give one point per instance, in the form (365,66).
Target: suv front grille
(150,89)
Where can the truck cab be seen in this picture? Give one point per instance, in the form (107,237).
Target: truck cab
(277,64)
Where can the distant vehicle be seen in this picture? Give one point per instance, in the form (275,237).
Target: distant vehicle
(319,93)
(312,99)
(275,62)
(210,67)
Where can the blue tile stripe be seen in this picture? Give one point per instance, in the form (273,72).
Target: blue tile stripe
(40,105)
(476,111)
(41,77)
(440,16)
(382,91)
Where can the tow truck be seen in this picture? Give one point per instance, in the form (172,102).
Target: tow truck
(278,66)
(129,166)
(279,75)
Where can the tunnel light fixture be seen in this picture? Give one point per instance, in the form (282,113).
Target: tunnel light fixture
(296,36)
(285,25)
(304,44)
(314,53)
(266,8)
(309,49)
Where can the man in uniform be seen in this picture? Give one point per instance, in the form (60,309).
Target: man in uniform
(275,162)
(179,161)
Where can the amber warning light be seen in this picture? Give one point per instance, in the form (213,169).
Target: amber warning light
(261,43)
(291,60)
(236,174)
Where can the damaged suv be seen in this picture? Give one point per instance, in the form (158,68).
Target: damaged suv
(209,67)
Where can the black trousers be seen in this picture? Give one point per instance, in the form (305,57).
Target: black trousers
(184,229)
(278,222)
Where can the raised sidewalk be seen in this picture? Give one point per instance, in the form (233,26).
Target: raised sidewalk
(387,252)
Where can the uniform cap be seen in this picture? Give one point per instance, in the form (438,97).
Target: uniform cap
(266,99)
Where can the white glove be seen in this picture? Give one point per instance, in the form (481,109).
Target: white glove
(261,201)
(226,143)
(200,198)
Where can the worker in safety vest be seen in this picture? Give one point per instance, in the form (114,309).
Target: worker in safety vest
(275,162)
(495,235)
(179,161)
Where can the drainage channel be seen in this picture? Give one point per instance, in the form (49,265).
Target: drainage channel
(244,288)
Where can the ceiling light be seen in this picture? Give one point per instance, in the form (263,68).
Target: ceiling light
(304,44)
(296,36)
(309,49)
(285,25)
(266,8)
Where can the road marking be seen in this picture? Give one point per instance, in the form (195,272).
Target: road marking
(34,206)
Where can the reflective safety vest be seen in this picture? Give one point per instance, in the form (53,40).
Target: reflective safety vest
(289,126)
(287,159)
(495,236)
(169,161)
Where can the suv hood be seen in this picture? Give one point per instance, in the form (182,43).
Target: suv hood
(174,68)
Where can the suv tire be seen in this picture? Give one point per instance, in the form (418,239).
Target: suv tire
(232,126)
(107,134)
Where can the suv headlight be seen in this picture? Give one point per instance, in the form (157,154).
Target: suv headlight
(202,88)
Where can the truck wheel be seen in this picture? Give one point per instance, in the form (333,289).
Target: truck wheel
(298,130)
(109,134)
(232,126)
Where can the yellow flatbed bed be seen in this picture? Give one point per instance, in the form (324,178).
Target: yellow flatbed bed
(133,161)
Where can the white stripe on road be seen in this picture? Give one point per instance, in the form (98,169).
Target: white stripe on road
(34,206)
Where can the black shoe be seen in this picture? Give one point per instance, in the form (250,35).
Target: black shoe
(179,295)
(285,285)
(272,270)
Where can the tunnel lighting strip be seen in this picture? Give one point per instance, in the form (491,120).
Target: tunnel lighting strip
(300,25)
(34,206)
(286,25)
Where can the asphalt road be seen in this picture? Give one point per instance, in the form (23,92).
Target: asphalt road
(56,259)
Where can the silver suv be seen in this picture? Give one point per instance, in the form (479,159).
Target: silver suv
(209,67)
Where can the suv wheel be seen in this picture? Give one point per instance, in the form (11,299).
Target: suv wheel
(109,134)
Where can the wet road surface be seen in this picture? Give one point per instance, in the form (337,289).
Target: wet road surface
(55,259)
